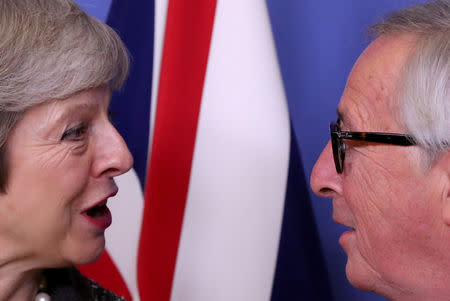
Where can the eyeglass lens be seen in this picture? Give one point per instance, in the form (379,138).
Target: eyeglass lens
(338,147)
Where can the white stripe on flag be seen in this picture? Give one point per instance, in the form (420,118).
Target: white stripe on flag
(123,236)
(233,216)
(158,39)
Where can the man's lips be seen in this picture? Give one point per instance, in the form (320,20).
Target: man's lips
(346,235)
(344,223)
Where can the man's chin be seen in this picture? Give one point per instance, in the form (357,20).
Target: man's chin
(359,277)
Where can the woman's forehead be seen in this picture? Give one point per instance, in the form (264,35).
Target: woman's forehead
(61,111)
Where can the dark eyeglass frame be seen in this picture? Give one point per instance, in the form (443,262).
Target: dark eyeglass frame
(338,145)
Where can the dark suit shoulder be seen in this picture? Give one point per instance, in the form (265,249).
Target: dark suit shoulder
(68,284)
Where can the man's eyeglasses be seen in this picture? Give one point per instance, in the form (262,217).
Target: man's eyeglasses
(338,145)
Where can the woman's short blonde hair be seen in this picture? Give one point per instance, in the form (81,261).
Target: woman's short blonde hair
(51,49)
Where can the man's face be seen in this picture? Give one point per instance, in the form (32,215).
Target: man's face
(389,199)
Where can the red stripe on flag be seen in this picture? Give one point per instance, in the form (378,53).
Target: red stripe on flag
(105,272)
(185,55)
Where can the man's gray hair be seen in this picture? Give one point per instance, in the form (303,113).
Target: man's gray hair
(423,93)
(51,49)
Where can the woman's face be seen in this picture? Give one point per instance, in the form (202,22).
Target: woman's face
(63,156)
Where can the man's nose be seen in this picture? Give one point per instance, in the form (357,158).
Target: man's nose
(325,181)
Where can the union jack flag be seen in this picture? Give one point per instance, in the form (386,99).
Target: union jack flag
(216,207)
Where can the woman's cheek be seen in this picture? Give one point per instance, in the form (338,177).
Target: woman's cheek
(60,156)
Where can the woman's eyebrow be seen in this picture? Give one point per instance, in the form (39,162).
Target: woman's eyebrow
(76,109)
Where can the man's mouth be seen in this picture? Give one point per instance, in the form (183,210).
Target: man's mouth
(345,224)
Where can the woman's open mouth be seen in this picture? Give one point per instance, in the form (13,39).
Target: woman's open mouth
(99,215)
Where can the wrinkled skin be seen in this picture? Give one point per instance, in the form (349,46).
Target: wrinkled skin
(63,156)
(400,245)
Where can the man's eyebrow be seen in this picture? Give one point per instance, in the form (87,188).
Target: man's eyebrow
(340,115)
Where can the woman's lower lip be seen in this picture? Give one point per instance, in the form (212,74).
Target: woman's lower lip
(102,221)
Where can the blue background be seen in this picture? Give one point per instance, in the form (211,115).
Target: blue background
(317,42)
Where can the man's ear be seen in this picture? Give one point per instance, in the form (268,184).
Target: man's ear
(444,166)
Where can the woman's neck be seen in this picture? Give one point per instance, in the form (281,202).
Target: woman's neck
(20,271)
(16,285)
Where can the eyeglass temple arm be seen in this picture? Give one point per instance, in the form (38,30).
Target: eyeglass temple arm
(394,139)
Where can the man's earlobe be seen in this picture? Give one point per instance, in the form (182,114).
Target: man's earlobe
(445,165)
(446,208)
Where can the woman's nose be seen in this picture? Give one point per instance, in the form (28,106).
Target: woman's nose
(113,157)
(325,181)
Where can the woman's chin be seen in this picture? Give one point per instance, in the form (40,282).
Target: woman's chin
(85,252)
(92,256)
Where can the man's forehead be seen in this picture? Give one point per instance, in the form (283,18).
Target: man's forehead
(367,101)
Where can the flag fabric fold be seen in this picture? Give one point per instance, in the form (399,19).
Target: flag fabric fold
(181,80)
(226,214)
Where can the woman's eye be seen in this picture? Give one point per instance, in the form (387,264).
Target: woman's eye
(75,134)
